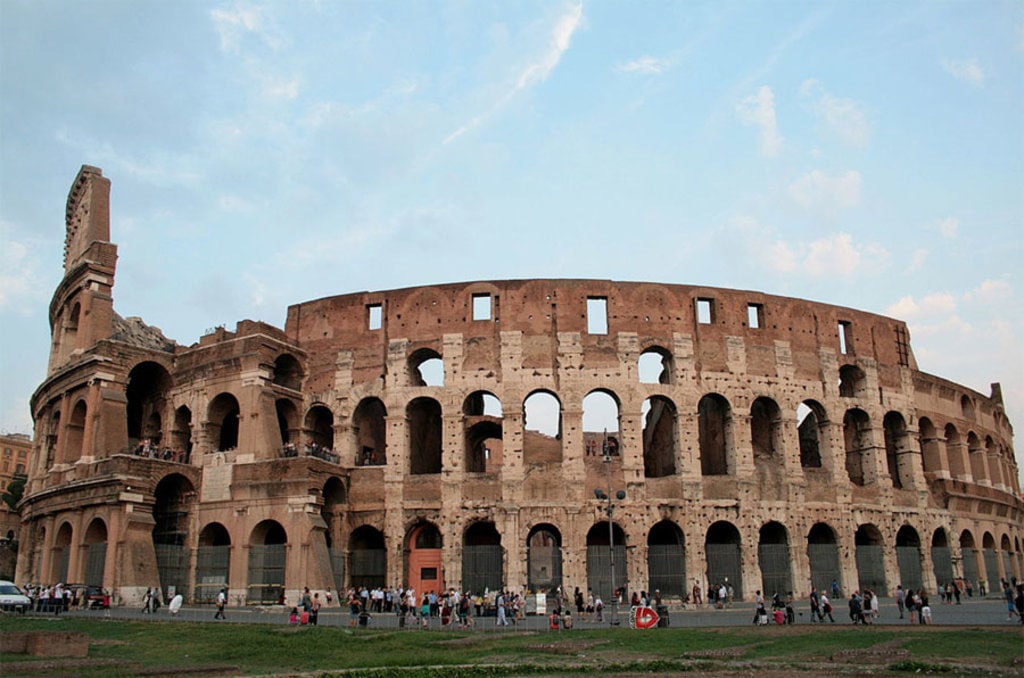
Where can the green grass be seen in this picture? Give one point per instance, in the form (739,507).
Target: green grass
(130,646)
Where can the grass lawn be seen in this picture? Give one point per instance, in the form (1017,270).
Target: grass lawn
(130,648)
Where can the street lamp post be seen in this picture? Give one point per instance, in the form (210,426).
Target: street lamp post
(610,509)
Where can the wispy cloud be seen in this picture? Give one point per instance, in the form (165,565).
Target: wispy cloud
(949,227)
(647,65)
(816,190)
(535,72)
(242,19)
(990,292)
(21,287)
(759,110)
(843,117)
(967,70)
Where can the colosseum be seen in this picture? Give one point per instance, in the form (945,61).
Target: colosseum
(520,434)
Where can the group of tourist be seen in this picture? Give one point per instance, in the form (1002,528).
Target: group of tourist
(146,448)
(311,449)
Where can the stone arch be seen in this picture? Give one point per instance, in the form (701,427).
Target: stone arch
(908,557)
(148,385)
(181,434)
(287,422)
(544,558)
(74,439)
(424,544)
(482,432)
(319,428)
(655,366)
(896,449)
(60,556)
(95,552)
(482,557)
(370,431)
(714,422)
(268,549)
(174,499)
(423,416)
(992,453)
(213,562)
(942,557)
(601,411)
(976,455)
(426,368)
(53,431)
(288,372)
(823,557)
(967,407)
(954,454)
(606,557)
(774,559)
(660,432)
(723,550)
(666,559)
(542,427)
(367,557)
(332,511)
(869,552)
(857,436)
(931,452)
(811,429)
(969,558)
(852,381)
(222,417)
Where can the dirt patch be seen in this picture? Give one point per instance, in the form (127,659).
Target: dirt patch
(571,647)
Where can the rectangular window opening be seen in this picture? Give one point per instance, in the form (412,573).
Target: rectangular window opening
(481,307)
(597,315)
(845,336)
(755,316)
(705,311)
(376,316)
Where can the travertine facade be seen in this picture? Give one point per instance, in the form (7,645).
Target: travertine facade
(453,435)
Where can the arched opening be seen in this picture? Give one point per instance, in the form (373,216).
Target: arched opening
(967,408)
(288,424)
(173,500)
(666,560)
(897,449)
(181,435)
(991,558)
(852,381)
(1005,550)
(976,453)
(423,545)
(148,385)
(942,557)
(954,452)
(823,556)
(288,372)
(482,422)
(332,512)
(52,437)
(766,442)
(655,366)
(811,423)
(424,423)
(319,427)
(222,416)
(426,368)
(482,558)
(369,426)
(61,554)
(774,558)
(857,436)
(600,423)
(95,553)
(542,428)
(931,452)
(267,558)
(544,558)
(367,557)
(213,562)
(995,472)
(714,416)
(724,562)
(908,557)
(969,558)
(601,555)
(660,423)
(75,438)
(870,556)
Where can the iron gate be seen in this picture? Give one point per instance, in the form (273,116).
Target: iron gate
(942,564)
(776,577)
(64,558)
(991,569)
(666,569)
(909,560)
(95,558)
(337,557)
(367,567)
(870,567)
(599,573)
(724,566)
(1007,566)
(970,560)
(545,567)
(266,573)
(212,564)
(172,565)
(481,568)
(824,559)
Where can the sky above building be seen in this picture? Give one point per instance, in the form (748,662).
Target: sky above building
(865,154)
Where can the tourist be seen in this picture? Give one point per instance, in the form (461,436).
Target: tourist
(826,608)
(900,599)
(222,601)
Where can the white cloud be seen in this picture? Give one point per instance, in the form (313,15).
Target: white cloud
(538,70)
(843,117)
(839,255)
(937,304)
(21,288)
(759,110)
(968,70)
(990,292)
(647,65)
(234,24)
(917,260)
(948,227)
(817,190)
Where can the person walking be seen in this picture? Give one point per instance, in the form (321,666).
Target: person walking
(900,599)
(222,600)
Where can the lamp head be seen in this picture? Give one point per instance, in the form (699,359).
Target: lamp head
(620,495)
(599,493)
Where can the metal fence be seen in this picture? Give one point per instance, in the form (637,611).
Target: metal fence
(599,576)
(172,565)
(825,568)
(724,566)
(367,567)
(871,567)
(266,573)
(482,568)
(337,557)
(95,560)
(942,564)
(776,574)
(991,568)
(909,560)
(666,567)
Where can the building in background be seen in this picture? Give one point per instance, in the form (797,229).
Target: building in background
(455,435)
(17,447)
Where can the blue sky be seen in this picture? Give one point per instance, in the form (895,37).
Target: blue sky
(866,154)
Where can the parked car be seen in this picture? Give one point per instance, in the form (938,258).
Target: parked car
(90,597)
(11,598)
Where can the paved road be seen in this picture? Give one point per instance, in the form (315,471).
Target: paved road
(973,612)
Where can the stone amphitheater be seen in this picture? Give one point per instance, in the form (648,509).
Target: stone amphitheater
(519,434)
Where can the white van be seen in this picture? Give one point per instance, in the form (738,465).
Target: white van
(11,597)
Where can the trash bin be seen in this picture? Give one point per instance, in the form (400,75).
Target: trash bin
(663,620)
